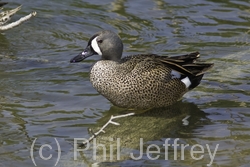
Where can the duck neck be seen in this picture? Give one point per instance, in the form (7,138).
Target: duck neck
(112,58)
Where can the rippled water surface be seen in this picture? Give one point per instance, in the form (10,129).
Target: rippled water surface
(44,97)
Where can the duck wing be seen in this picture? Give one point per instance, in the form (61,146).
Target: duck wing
(187,64)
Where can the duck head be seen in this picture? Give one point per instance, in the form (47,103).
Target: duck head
(107,44)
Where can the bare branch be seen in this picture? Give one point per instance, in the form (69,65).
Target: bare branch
(18,22)
(5,16)
(102,129)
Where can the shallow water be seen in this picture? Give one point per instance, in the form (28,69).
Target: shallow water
(44,97)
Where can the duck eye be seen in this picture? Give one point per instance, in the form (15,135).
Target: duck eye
(99,41)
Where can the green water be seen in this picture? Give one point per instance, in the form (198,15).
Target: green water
(43,96)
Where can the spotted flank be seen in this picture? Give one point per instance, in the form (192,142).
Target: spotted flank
(140,81)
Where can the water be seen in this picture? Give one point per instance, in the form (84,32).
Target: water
(44,97)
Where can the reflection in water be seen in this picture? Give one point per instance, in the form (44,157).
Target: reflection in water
(4,47)
(152,125)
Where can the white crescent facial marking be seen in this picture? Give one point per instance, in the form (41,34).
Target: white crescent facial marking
(175,74)
(95,46)
(186,81)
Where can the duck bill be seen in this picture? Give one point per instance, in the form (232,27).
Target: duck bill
(86,53)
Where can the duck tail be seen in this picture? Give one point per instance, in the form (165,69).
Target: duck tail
(197,70)
(189,67)
(195,81)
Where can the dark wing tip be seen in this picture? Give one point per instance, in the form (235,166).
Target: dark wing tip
(187,64)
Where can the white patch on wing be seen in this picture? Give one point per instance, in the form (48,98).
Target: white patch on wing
(95,46)
(175,74)
(186,81)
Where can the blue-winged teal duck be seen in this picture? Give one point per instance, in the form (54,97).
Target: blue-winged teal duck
(140,81)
